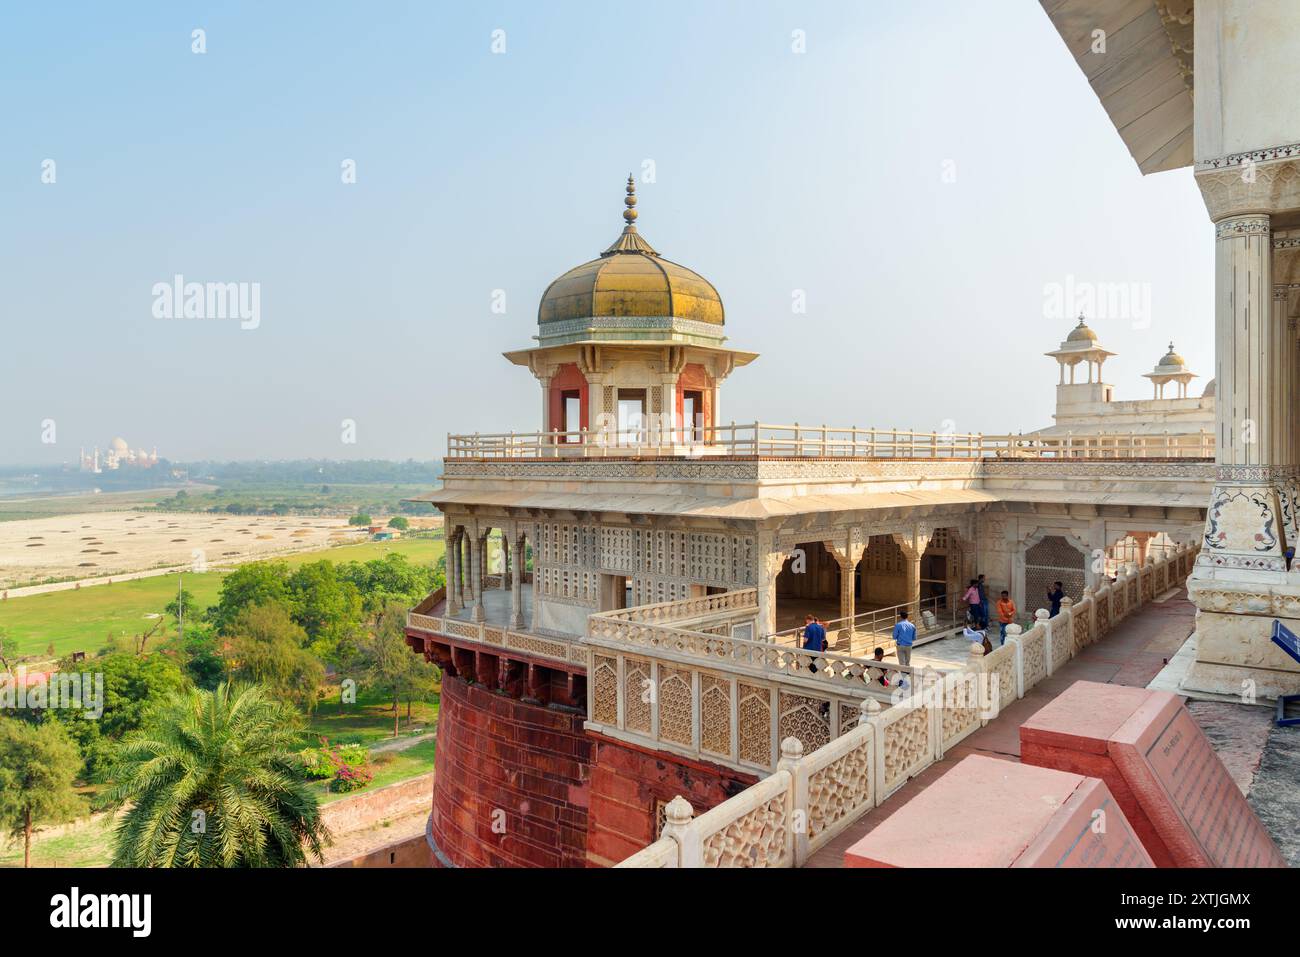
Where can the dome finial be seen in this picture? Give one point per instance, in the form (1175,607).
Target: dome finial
(629,214)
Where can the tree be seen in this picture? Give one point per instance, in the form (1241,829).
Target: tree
(38,764)
(133,685)
(8,649)
(213,782)
(391,578)
(182,605)
(326,605)
(399,523)
(266,647)
(201,655)
(257,583)
(392,666)
(361,518)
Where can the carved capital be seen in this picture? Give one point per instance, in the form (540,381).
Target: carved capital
(1250,183)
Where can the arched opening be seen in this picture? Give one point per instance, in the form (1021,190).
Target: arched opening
(882,574)
(567,402)
(808,584)
(1135,548)
(1051,559)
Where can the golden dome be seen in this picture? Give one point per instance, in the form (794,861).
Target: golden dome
(631,279)
(1171,358)
(1081,333)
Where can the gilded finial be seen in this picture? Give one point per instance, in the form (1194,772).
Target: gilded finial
(629,214)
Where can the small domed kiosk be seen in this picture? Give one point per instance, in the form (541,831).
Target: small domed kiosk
(1171,368)
(630,343)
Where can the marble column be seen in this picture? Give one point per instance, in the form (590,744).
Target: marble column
(913,548)
(516,583)
(1240,582)
(770,561)
(453,572)
(1245,531)
(477,545)
(466,575)
(453,551)
(846,553)
(547,424)
(1284,421)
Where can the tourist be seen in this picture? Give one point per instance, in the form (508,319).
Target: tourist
(977,636)
(1054,596)
(972,599)
(814,638)
(1006,615)
(904,636)
(984,603)
(880,674)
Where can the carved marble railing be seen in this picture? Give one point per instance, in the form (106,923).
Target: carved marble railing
(762,659)
(739,602)
(815,793)
(500,639)
(757,439)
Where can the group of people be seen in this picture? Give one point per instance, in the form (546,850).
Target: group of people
(904,633)
(977,611)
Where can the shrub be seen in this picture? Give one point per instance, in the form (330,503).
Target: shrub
(351,779)
(316,763)
(353,754)
(348,765)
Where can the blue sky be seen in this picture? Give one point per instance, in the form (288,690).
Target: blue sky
(828,171)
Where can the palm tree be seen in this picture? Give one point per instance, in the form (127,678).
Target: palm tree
(211,782)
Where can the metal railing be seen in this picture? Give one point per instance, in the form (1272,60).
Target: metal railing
(820,441)
(944,611)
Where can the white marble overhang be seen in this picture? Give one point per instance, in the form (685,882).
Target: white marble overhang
(1141,73)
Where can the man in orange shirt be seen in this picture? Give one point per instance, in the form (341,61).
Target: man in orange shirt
(1006,615)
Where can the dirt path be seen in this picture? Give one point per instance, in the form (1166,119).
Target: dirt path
(402,744)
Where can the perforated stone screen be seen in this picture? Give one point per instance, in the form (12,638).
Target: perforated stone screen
(1051,560)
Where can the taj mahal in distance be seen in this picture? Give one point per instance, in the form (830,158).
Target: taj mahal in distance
(719,642)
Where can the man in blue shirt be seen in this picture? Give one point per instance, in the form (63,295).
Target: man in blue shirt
(904,636)
(814,637)
(1054,596)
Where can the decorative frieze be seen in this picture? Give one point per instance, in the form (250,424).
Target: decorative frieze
(1239,226)
(1239,160)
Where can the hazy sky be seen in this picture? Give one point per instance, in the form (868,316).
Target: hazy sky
(921,172)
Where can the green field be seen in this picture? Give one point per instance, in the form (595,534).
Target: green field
(90,844)
(88,619)
(332,498)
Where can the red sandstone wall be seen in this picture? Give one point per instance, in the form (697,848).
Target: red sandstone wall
(626,784)
(497,753)
(411,852)
(371,807)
